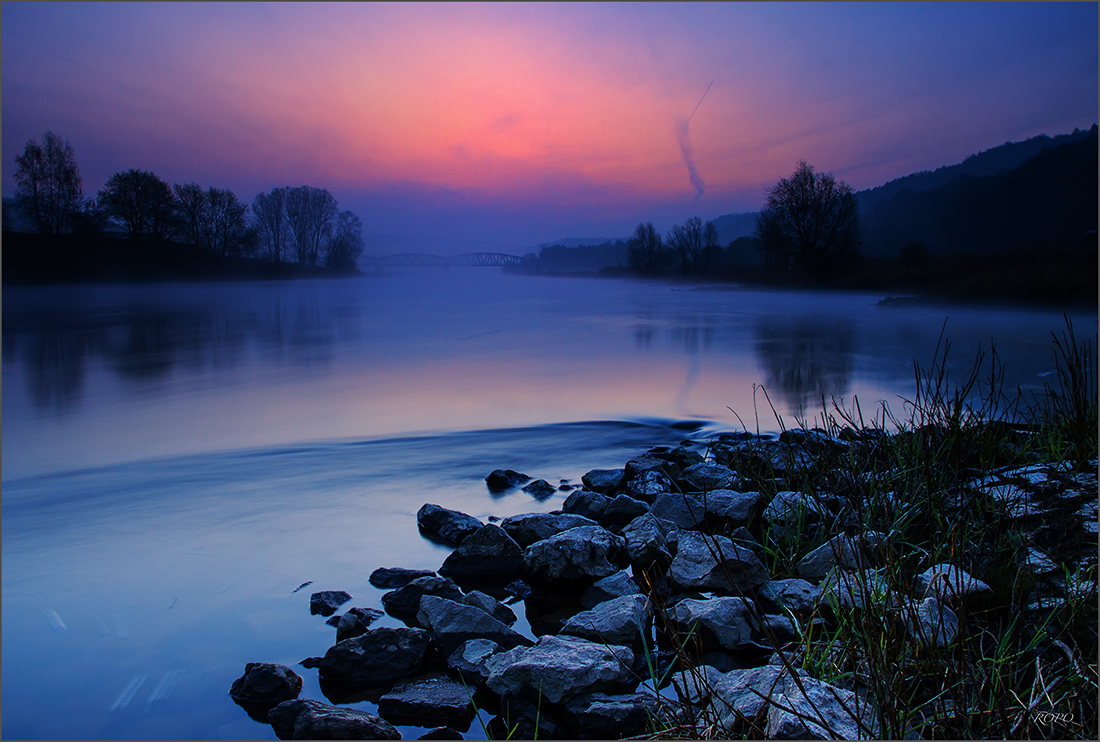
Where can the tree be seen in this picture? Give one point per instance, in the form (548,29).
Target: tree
(224,227)
(140,200)
(309,212)
(687,240)
(271,222)
(345,243)
(191,211)
(48,187)
(817,216)
(646,250)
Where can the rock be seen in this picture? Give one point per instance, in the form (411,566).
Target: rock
(600,716)
(649,462)
(490,605)
(522,719)
(839,551)
(387,578)
(470,659)
(404,602)
(844,590)
(582,554)
(823,711)
(715,563)
(531,527)
(743,694)
(612,586)
(356,622)
(381,654)
(591,505)
(648,485)
(727,507)
(932,623)
(489,555)
(695,685)
(796,595)
(441,733)
(448,526)
(791,508)
(265,685)
(717,623)
(505,479)
(326,602)
(518,590)
(434,699)
(650,541)
(621,511)
(685,511)
(540,489)
(952,585)
(777,630)
(452,624)
(1038,563)
(308,719)
(624,620)
(558,667)
(604,481)
(707,477)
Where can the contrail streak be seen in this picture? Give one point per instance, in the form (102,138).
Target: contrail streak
(700,102)
(684,140)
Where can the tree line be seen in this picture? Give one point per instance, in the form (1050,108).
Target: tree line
(302,224)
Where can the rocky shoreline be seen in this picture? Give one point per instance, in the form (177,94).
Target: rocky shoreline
(686,594)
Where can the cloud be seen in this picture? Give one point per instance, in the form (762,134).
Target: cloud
(683,137)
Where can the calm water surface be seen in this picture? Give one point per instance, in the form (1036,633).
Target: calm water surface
(177,459)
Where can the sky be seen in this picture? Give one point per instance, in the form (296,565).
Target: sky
(452,127)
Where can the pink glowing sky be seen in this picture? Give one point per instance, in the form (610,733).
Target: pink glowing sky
(454,127)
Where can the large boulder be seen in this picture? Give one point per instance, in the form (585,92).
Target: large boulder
(531,527)
(488,555)
(452,624)
(707,477)
(436,699)
(265,685)
(387,578)
(605,481)
(715,563)
(624,620)
(650,540)
(404,602)
(600,716)
(717,623)
(591,505)
(621,510)
(308,719)
(612,586)
(451,527)
(686,511)
(728,507)
(380,655)
(582,554)
(559,667)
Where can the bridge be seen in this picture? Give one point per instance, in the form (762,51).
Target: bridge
(418,260)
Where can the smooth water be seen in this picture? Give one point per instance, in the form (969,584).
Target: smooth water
(177,459)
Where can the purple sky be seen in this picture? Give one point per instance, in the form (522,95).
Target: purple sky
(450,128)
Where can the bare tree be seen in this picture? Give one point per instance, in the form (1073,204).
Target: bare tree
(225,223)
(646,250)
(687,240)
(310,212)
(140,200)
(191,208)
(271,222)
(818,216)
(345,243)
(48,190)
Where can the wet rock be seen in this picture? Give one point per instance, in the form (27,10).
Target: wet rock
(604,481)
(717,623)
(326,602)
(308,719)
(685,511)
(434,699)
(387,578)
(650,540)
(470,660)
(839,551)
(489,555)
(582,554)
(952,585)
(621,511)
(707,477)
(356,622)
(265,685)
(649,462)
(490,605)
(715,563)
(610,587)
(796,595)
(505,479)
(623,620)
(450,527)
(381,654)
(558,667)
(404,602)
(531,527)
(591,505)
(540,489)
(452,624)
(601,716)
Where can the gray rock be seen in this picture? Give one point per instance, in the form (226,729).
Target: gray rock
(488,555)
(792,507)
(821,711)
(648,462)
(777,630)
(504,479)
(469,660)
(387,578)
(932,623)
(650,541)
(952,585)
(449,526)
(648,485)
(582,554)
(621,510)
(624,620)
(381,654)
(844,590)
(715,563)
(308,719)
(604,481)
(612,586)
(490,605)
(839,551)
(1038,563)
(265,684)
(531,527)
(718,623)
(540,489)
(696,685)
(404,602)
(435,699)
(600,716)
(796,595)
(356,622)
(441,733)
(729,507)
(744,694)
(326,602)
(591,505)
(558,667)
(452,624)
(707,477)
(685,511)
(523,719)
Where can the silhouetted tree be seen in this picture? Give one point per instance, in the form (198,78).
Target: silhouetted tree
(819,217)
(225,225)
(687,241)
(774,243)
(345,243)
(646,250)
(191,212)
(310,212)
(48,187)
(140,200)
(271,223)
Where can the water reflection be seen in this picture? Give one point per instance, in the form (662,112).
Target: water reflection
(805,360)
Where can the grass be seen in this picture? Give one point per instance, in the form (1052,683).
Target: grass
(1022,663)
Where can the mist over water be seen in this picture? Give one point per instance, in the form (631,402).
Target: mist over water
(177,459)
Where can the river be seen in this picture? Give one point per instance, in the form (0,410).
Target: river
(178,459)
